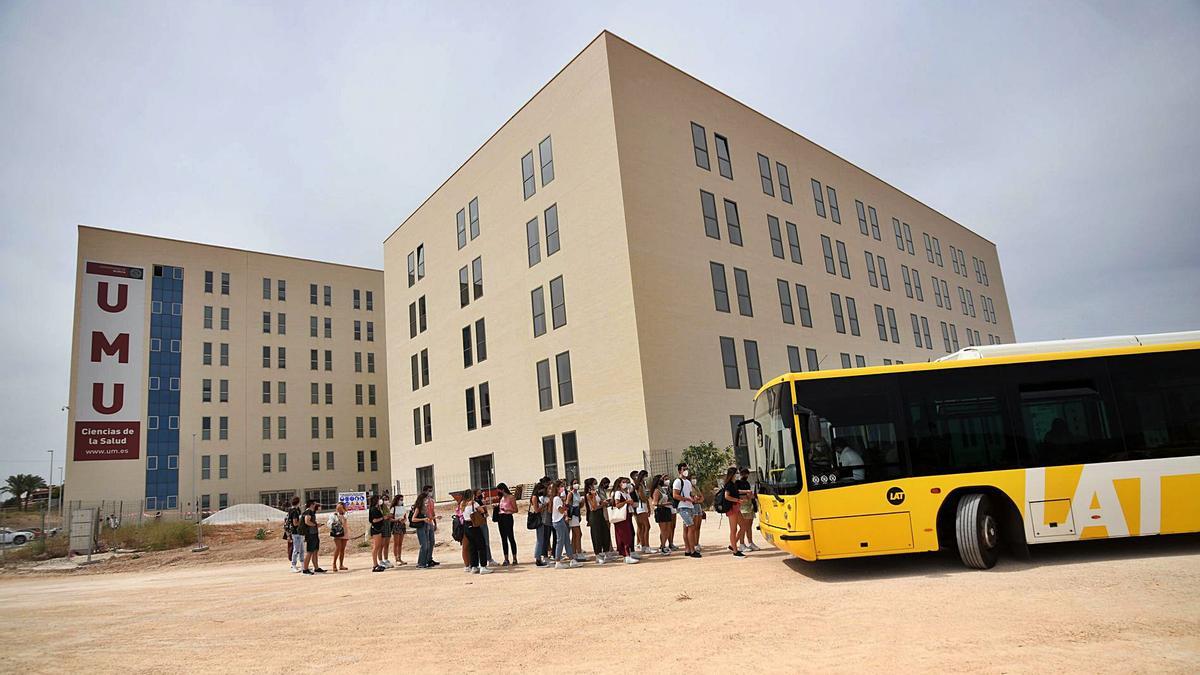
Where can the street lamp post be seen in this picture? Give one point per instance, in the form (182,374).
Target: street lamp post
(49,499)
(62,481)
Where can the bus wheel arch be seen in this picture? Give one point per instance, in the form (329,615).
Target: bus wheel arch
(982,500)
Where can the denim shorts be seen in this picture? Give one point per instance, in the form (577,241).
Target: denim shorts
(687,514)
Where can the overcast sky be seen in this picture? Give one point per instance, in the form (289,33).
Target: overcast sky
(1067,133)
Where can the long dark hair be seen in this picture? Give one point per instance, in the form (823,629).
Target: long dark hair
(656,483)
(373,502)
(396,500)
(502,487)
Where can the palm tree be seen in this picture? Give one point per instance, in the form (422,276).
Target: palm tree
(22,486)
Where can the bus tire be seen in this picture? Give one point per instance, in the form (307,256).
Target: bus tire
(977,531)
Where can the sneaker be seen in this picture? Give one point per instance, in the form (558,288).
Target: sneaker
(319,571)
(630,560)
(647,550)
(386,563)
(504,564)
(491,563)
(673,547)
(540,563)
(581,557)
(307,571)
(377,568)
(752,546)
(475,570)
(574,563)
(739,554)
(485,570)
(468,569)
(600,560)
(434,563)
(664,551)
(560,565)
(295,570)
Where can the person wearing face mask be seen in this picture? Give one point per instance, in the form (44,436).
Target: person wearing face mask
(686,498)
(622,499)
(597,523)
(504,521)
(641,511)
(559,506)
(540,504)
(424,520)
(574,519)
(660,495)
(732,497)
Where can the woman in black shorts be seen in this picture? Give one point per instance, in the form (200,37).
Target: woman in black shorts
(398,528)
(660,496)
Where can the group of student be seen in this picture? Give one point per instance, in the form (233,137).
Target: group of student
(617,514)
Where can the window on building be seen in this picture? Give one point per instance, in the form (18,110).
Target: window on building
(546,157)
(845,360)
(814,364)
(843,260)
(899,233)
(742,284)
(818,197)
(753,370)
(872,277)
(208,281)
(729,362)
(794,363)
(874,217)
(834,214)
(558,303)
(764,172)
(328,290)
(328,327)
(785,183)
(925,332)
(733,223)
(827,250)
(460,226)
(206,356)
(224,355)
(708,206)
(537,300)
(527,180)
(861,211)
(205,467)
(802,305)
(533,241)
(852,315)
(545,393)
(794,244)
(551,217)
(473,210)
(879,323)
(549,457)
(776,236)
(839,320)
(700,146)
(723,163)
(206,391)
(468,345)
(785,301)
(562,366)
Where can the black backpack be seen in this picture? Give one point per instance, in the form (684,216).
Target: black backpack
(457,530)
(720,504)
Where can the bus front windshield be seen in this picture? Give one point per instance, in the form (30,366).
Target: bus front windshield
(773,442)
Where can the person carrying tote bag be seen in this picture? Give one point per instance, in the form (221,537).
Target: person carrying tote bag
(618,515)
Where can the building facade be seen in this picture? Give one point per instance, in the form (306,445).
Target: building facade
(615,272)
(210,376)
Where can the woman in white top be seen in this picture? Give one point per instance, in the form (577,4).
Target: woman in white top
(558,509)
(575,521)
(622,500)
(399,527)
(641,511)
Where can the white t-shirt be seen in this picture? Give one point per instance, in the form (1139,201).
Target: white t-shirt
(467,511)
(621,496)
(684,485)
(558,504)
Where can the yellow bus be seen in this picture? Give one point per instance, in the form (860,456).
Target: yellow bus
(990,447)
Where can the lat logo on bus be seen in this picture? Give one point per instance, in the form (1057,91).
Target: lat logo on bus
(895,496)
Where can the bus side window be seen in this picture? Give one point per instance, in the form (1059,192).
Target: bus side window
(1158,397)
(1065,416)
(957,422)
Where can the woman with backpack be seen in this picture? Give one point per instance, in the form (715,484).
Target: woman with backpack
(375,518)
(574,520)
(504,521)
(398,528)
(458,528)
(539,503)
(474,518)
(340,532)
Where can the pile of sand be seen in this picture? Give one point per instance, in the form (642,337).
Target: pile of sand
(246,513)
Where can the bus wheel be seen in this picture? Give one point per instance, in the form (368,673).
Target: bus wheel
(977,531)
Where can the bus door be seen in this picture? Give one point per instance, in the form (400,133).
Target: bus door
(777,470)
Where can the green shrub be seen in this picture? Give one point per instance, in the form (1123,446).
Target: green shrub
(261,534)
(707,463)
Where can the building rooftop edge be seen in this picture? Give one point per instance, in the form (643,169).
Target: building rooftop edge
(81,226)
(766,117)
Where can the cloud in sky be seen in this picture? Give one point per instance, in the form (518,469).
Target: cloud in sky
(1064,132)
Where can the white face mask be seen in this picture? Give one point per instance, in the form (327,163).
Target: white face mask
(685,473)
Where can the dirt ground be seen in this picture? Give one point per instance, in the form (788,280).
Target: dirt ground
(1131,605)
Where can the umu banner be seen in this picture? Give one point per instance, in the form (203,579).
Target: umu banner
(108,380)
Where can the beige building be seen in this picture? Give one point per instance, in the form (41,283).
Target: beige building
(213,375)
(614,273)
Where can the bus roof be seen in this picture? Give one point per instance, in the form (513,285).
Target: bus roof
(1027,352)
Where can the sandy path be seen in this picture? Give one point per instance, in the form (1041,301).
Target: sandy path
(1107,606)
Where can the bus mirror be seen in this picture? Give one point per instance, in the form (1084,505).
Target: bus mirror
(741,437)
